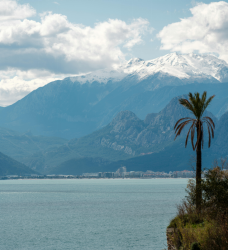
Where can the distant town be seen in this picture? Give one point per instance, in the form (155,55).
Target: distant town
(120,173)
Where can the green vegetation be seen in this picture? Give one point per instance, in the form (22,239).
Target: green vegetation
(207,230)
(202,220)
(197,106)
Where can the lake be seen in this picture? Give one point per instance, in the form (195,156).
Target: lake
(88,213)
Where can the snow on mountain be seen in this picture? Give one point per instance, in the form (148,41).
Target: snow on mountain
(187,67)
(101,76)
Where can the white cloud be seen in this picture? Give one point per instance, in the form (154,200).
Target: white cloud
(16,84)
(11,10)
(206,31)
(55,38)
(34,53)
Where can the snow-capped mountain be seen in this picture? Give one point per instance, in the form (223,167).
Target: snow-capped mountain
(186,67)
(77,106)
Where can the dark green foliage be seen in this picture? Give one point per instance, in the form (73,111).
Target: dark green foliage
(173,222)
(197,106)
(195,246)
(214,191)
(209,229)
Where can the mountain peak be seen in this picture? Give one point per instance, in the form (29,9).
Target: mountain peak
(135,61)
(124,115)
(189,68)
(124,120)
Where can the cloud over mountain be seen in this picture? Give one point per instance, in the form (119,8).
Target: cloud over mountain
(81,48)
(206,31)
(34,53)
(37,48)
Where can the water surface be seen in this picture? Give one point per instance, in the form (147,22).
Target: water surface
(88,213)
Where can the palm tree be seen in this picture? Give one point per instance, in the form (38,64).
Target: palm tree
(197,107)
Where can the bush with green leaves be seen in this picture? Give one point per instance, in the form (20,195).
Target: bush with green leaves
(208,228)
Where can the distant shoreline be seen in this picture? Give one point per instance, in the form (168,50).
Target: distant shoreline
(95,178)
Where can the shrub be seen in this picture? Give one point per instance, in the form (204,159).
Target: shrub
(195,246)
(208,229)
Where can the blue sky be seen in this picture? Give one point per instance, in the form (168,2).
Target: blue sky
(41,41)
(88,12)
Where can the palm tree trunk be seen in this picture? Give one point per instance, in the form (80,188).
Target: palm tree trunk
(198,173)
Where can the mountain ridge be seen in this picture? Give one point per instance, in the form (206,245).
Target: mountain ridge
(173,157)
(189,67)
(126,136)
(68,110)
(62,109)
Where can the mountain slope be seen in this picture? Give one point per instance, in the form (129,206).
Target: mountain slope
(75,107)
(221,137)
(186,67)
(9,166)
(174,157)
(18,145)
(125,137)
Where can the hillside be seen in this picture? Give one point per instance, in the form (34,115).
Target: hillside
(75,107)
(174,157)
(9,166)
(125,137)
(19,145)
(221,136)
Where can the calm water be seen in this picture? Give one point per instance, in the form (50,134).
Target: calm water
(87,214)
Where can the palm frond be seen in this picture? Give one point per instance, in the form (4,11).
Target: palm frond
(195,100)
(186,141)
(178,126)
(202,135)
(205,105)
(209,137)
(180,121)
(193,135)
(210,119)
(187,104)
(203,98)
(210,125)
(181,126)
(197,105)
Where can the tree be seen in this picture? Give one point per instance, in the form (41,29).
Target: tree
(197,106)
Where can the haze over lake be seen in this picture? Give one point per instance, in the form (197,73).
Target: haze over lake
(88,213)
